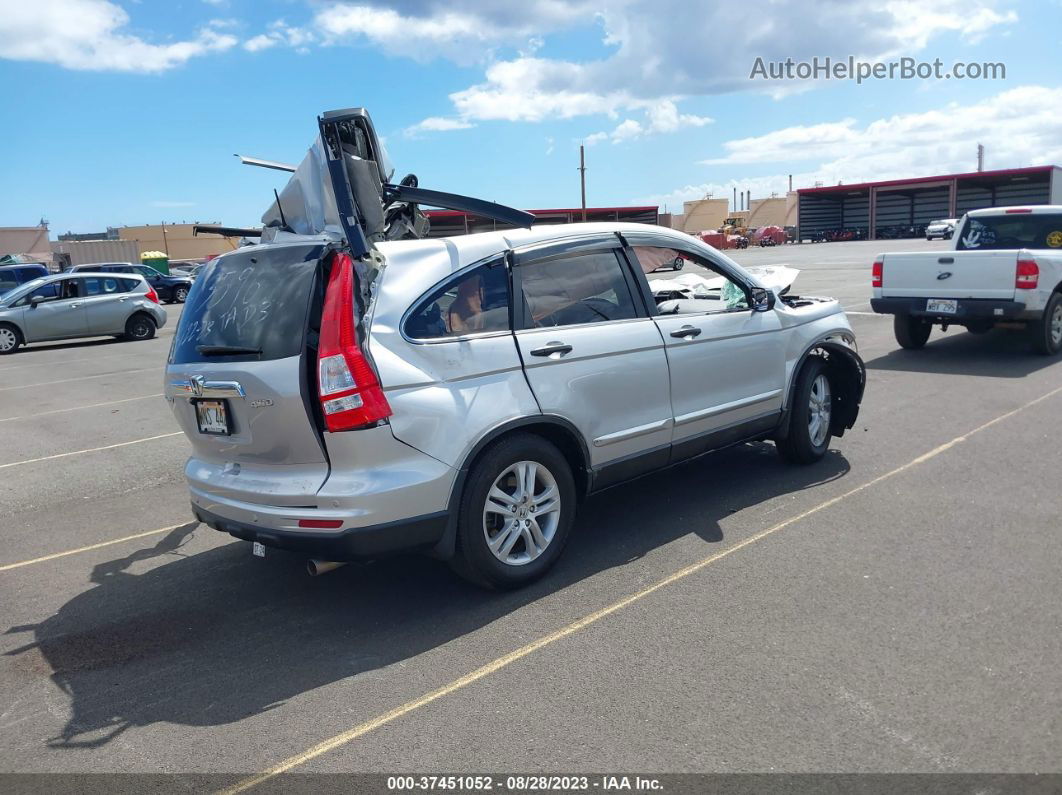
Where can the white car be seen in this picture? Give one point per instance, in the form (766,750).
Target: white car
(1005,267)
(943,229)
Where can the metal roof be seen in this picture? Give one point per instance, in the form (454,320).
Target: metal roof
(1000,173)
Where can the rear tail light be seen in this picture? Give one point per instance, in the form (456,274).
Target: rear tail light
(350,392)
(152,295)
(1027,275)
(876,273)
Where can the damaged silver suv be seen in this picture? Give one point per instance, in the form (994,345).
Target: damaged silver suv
(350,393)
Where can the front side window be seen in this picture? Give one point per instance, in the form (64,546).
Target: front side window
(690,292)
(577,289)
(51,291)
(475,303)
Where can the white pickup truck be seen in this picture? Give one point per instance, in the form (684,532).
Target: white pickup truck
(1004,269)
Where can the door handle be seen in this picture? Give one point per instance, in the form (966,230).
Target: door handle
(124,298)
(686,331)
(74,306)
(550,348)
(945,260)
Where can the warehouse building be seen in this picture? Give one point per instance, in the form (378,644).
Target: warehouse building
(446,223)
(903,207)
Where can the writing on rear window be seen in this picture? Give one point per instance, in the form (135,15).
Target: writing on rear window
(255,304)
(1015,230)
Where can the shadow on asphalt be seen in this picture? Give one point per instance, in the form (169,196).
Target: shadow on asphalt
(999,354)
(216,637)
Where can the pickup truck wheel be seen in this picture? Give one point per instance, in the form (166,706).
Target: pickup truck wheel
(10,339)
(911,332)
(516,513)
(139,327)
(809,416)
(1047,333)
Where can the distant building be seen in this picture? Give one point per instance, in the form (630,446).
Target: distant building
(447,223)
(31,241)
(75,237)
(177,240)
(895,207)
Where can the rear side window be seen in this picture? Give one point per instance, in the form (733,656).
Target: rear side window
(256,303)
(475,303)
(586,288)
(99,285)
(1015,230)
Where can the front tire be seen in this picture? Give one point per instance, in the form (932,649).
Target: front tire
(1047,332)
(911,332)
(10,339)
(678,263)
(810,415)
(180,295)
(515,514)
(139,327)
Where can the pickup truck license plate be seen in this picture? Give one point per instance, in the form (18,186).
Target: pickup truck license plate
(942,306)
(213,417)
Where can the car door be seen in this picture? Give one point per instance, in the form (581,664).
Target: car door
(726,361)
(56,317)
(107,302)
(591,353)
(156,280)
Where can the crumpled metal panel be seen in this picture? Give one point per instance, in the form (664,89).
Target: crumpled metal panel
(307,200)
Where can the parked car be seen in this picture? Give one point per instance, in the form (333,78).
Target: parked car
(363,395)
(944,229)
(1005,268)
(66,306)
(11,276)
(171,289)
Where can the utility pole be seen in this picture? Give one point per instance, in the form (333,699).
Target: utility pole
(582,178)
(980,157)
(735,199)
(165,243)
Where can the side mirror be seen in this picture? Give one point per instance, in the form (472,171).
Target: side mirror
(37,299)
(762,299)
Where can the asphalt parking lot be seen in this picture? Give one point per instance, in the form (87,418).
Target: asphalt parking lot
(897,607)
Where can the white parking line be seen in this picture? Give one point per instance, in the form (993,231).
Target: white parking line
(89,450)
(78,408)
(157,369)
(24,365)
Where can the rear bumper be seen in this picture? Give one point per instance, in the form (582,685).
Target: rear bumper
(356,543)
(967,309)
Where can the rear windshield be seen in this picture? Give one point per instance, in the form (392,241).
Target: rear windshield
(255,301)
(1016,230)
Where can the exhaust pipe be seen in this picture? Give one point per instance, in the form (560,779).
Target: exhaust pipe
(318,567)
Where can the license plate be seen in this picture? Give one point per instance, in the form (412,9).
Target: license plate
(942,306)
(258,549)
(213,417)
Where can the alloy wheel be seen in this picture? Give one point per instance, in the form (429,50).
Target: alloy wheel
(8,339)
(1056,326)
(819,406)
(522,513)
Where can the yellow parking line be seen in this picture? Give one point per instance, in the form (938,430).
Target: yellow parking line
(90,450)
(78,408)
(508,659)
(157,369)
(45,558)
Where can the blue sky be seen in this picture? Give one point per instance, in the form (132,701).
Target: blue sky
(123,112)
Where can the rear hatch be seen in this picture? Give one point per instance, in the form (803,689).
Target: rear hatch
(241,380)
(949,274)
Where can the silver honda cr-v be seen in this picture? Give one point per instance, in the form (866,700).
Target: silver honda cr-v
(347,396)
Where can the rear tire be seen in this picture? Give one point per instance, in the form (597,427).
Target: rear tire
(508,533)
(678,263)
(810,415)
(10,339)
(180,294)
(139,327)
(911,332)
(1047,332)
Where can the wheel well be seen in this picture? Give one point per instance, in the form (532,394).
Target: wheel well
(847,376)
(142,313)
(561,436)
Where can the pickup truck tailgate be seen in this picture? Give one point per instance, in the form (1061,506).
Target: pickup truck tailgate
(973,274)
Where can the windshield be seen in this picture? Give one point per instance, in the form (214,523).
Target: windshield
(1011,231)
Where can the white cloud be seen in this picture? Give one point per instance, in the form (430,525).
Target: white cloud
(437,124)
(653,59)
(1018,127)
(91,35)
(595,138)
(661,117)
(281,33)
(549,145)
